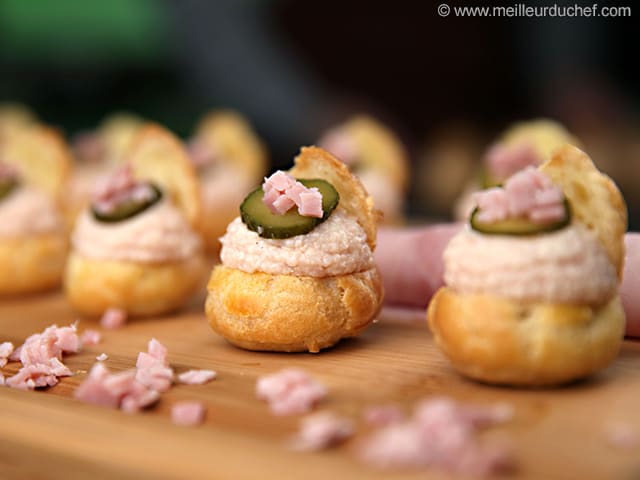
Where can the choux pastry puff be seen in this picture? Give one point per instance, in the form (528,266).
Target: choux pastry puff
(34,164)
(531,283)
(297,271)
(137,247)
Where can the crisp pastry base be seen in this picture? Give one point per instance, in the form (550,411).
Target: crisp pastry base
(93,286)
(260,311)
(496,340)
(33,263)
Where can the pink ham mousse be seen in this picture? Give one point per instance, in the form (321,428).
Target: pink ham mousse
(282,192)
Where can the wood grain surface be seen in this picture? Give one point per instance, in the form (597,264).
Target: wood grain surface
(556,433)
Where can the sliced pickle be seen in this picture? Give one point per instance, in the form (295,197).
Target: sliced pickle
(7,186)
(129,208)
(519,226)
(257,216)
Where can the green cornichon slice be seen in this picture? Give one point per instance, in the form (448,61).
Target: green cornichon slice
(257,216)
(7,186)
(519,226)
(128,209)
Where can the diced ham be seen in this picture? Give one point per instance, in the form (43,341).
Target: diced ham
(202,154)
(90,337)
(113,318)
(321,430)
(196,377)
(102,357)
(528,194)
(339,143)
(6,349)
(152,368)
(158,351)
(188,414)
(15,355)
(130,390)
(441,434)
(622,435)
(503,161)
(8,171)
(35,375)
(119,187)
(282,192)
(290,391)
(383,415)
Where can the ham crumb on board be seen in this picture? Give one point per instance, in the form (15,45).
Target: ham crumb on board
(441,434)
(41,357)
(6,349)
(113,318)
(188,413)
(90,337)
(196,377)
(321,430)
(382,415)
(282,192)
(130,390)
(102,357)
(290,391)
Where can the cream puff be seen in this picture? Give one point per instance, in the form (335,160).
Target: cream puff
(230,160)
(34,164)
(524,144)
(297,271)
(376,155)
(531,284)
(137,246)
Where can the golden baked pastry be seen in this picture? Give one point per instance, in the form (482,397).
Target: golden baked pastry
(539,309)
(146,259)
(314,304)
(34,163)
(377,156)
(232,161)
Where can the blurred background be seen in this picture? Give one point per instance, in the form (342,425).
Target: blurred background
(447,86)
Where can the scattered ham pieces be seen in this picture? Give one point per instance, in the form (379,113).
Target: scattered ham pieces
(119,187)
(113,318)
(290,391)
(41,356)
(6,349)
(188,414)
(621,435)
(196,377)
(441,434)
(102,357)
(528,194)
(321,430)
(130,390)
(90,337)
(282,192)
(503,161)
(152,368)
(383,415)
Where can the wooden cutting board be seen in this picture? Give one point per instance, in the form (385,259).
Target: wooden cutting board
(556,433)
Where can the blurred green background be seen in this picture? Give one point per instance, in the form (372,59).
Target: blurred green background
(294,68)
